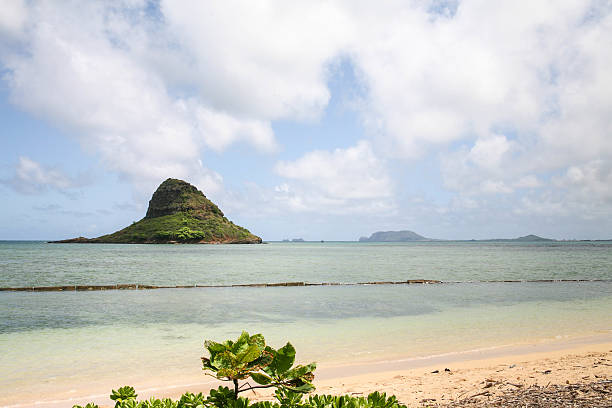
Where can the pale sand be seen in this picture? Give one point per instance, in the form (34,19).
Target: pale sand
(421,386)
(412,380)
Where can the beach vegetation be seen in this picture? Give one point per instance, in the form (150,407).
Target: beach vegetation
(158,403)
(122,395)
(282,399)
(249,359)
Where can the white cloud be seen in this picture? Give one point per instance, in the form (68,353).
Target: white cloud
(461,83)
(508,96)
(528,181)
(545,206)
(486,168)
(13,16)
(435,80)
(488,153)
(220,130)
(494,186)
(88,70)
(264,60)
(352,179)
(590,182)
(32,177)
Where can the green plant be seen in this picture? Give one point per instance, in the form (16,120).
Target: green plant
(191,400)
(380,400)
(223,397)
(89,405)
(220,397)
(250,357)
(288,398)
(373,400)
(123,395)
(129,403)
(158,403)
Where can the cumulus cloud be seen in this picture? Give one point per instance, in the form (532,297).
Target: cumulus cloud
(32,177)
(88,70)
(13,18)
(589,182)
(351,179)
(220,130)
(264,60)
(488,153)
(485,168)
(505,97)
(435,79)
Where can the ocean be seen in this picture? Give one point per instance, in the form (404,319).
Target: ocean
(53,343)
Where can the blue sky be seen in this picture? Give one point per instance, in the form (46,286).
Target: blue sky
(320,120)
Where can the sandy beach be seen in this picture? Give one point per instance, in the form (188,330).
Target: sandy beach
(487,378)
(481,375)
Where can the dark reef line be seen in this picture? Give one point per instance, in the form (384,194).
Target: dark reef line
(134,286)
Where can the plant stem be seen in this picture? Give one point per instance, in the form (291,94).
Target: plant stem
(235,388)
(261,386)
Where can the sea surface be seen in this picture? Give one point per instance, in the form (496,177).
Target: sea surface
(54,342)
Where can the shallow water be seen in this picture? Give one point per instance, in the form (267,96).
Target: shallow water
(41,264)
(59,340)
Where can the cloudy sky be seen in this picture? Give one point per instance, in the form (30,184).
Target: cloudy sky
(321,120)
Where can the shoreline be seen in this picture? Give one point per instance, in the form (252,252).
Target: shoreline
(410,379)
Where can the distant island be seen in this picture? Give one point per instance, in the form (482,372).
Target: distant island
(410,236)
(394,236)
(526,238)
(178,213)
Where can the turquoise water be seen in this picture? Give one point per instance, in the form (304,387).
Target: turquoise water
(42,264)
(55,342)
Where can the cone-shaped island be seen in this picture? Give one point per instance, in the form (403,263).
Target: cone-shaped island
(178,213)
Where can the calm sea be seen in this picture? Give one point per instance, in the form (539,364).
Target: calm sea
(57,341)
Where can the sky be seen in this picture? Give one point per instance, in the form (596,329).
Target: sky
(317,120)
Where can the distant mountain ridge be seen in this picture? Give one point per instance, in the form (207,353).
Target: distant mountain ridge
(410,236)
(178,213)
(526,238)
(394,236)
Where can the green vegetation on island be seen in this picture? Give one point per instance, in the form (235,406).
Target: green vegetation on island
(178,213)
(250,361)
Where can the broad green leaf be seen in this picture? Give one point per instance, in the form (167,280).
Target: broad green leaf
(206,365)
(283,360)
(226,372)
(261,378)
(250,354)
(241,344)
(304,388)
(224,360)
(260,363)
(259,340)
(214,347)
(301,370)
